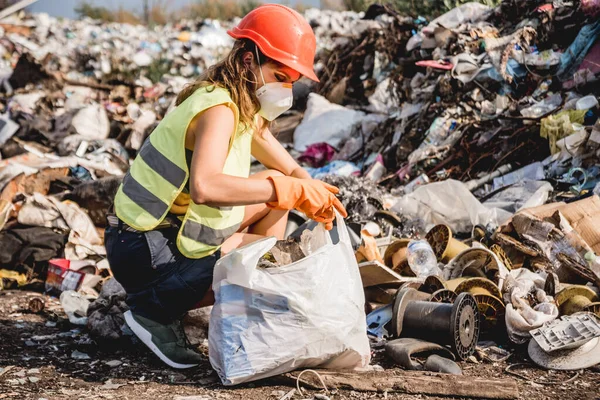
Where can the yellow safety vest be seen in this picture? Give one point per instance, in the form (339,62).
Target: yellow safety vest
(159,174)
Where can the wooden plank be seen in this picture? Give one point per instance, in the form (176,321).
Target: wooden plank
(414,382)
(90,84)
(29,184)
(18,29)
(375,273)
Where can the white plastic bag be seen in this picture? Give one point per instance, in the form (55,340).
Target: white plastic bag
(325,122)
(472,11)
(92,122)
(520,317)
(269,321)
(523,194)
(449,202)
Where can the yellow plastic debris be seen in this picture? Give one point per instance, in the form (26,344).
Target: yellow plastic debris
(558,126)
(184,36)
(21,279)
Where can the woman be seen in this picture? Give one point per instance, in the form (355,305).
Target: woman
(188,196)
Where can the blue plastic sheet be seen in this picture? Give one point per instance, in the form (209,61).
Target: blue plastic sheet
(574,55)
(513,68)
(339,167)
(81,173)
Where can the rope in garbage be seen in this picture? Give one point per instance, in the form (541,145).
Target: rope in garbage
(318,376)
(509,371)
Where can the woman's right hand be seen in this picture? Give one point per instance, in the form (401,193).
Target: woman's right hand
(313,197)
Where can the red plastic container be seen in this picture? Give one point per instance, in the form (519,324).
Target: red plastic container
(61,277)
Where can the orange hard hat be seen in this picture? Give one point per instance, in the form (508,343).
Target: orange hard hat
(282,34)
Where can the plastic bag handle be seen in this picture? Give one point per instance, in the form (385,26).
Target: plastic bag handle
(341,228)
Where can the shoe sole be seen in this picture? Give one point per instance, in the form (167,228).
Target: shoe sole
(146,338)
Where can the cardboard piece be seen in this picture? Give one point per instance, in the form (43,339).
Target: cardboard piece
(583,216)
(375,273)
(368,251)
(5,209)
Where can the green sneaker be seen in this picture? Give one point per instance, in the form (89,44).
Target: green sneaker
(168,342)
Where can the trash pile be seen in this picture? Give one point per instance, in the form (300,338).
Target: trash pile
(479,130)
(79,100)
(465,149)
(483,96)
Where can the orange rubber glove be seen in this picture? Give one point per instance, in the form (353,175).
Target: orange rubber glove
(313,197)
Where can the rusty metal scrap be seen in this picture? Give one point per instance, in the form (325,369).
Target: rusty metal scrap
(581,270)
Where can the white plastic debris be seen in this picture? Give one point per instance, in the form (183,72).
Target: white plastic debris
(521,318)
(92,122)
(468,12)
(213,36)
(7,128)
(142,59)
(587,102)
(78,355)
(75,306)
(113,363)
(77,97)
(567,332)
(145,119)
(523,194)
(325,122)
(381,101)
(26,102)
(133,111)
(543,107)
(451,203)
(534,171)
(572,143)
(441,135)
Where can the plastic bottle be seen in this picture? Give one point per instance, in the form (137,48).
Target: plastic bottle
(421,258)
(587,102)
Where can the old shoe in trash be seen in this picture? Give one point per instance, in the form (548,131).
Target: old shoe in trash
(168,342)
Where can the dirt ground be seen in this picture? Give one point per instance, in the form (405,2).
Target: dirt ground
(38,360)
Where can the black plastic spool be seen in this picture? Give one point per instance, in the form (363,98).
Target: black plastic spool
(457,324)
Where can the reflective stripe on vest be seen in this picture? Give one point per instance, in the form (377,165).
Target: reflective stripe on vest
(205,234)
(143,197)
(162,165)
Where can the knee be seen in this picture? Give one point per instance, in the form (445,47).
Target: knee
(280,213)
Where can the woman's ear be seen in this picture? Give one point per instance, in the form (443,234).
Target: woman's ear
(247,58)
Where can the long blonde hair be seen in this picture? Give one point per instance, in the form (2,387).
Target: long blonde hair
(232,74)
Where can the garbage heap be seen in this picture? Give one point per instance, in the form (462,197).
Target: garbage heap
(476,133)
(470,144)
(78,100)
(475,95)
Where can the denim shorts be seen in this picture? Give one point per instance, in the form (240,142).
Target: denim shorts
(161,283)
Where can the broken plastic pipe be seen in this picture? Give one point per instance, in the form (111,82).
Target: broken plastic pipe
(477,183)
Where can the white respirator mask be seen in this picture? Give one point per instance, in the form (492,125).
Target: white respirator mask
(275,97)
